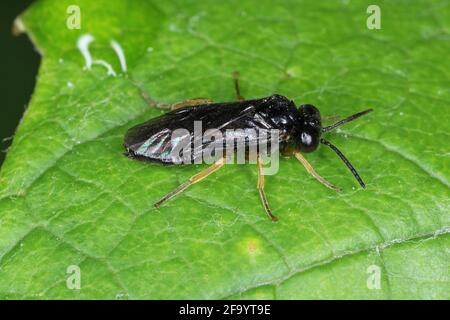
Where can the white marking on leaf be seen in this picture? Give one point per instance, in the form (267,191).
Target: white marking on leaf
(108,67)
(119,51)
(83,45)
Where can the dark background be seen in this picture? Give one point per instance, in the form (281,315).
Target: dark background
(19,63)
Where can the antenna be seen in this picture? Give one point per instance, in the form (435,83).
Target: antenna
(344,159)
(343,121)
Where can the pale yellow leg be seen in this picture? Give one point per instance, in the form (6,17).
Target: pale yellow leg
(262,194)
(190,103)
(194,179)
(185,103)
(312,172)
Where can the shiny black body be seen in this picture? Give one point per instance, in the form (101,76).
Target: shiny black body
(298,128)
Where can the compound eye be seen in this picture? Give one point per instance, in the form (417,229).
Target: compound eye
(306,139)
(308,142)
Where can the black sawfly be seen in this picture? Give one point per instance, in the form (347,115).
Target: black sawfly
(300,130)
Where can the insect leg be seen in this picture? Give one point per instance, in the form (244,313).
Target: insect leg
(185,103)
(262,194)
(312,172)
(173,106)
(190,103)
(236,86)
(192,180)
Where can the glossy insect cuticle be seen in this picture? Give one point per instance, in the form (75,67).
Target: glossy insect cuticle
(298,130)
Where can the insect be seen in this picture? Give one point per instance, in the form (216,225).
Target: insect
(300,130)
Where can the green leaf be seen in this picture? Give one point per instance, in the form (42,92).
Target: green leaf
(68,196)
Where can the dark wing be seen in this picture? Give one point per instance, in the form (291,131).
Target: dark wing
(158,138)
